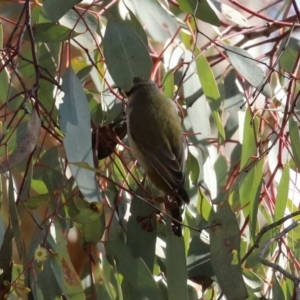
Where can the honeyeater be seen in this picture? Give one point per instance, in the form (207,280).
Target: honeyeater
(157,142)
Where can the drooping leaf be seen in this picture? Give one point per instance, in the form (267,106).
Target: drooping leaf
(225,253)
(282,194)
(295,141)
(55,9)
(176,266)
(27,140)
(134,270)
(126,55)
(249,192)
(158,22)
(75,124)
(201,10)
(247,67)
(249,151)
(6,258)
(14,219)
(63,269)
(50,32)
(139,239)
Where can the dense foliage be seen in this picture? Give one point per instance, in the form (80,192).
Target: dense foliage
(78,218)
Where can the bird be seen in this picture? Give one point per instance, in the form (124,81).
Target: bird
(156,140)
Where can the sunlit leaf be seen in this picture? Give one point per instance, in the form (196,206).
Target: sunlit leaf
(282,194)
(247,67)
(201,10)
(75,124)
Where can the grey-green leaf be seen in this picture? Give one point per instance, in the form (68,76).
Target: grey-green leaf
(75,124)
(246,65)
(55,9)
(134,271)
(225,253)
(126,55)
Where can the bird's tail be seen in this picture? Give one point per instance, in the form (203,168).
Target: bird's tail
(181,197)
(176,226)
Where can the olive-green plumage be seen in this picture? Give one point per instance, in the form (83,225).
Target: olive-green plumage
(156,139)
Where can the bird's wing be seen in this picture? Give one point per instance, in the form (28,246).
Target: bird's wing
(168,162)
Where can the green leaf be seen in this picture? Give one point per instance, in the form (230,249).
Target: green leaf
(168,84)
(201,10)
(249,191)
(141,241)
(134,270)
(295,141)
(249,140)
(75,124)
(282,194)
(6,257)
(277,290)
(14,219)
(136,26)
(290,54)
(196,125)
(211,90)
(198,260)
(176,266)
(245,64)
(225,253)
(47,283)
(55,9)
(207,79)
(50,32)
(124,50)
(233,101)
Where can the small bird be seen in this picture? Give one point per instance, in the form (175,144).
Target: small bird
(156,140)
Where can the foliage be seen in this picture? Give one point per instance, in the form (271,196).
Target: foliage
(78,219)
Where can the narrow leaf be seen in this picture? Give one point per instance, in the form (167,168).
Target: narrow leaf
(249,140)
(295,141)
(142,241)
(176,266)
(282,194)
(14,219)
(75,124)
(6,255)
(26,143)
